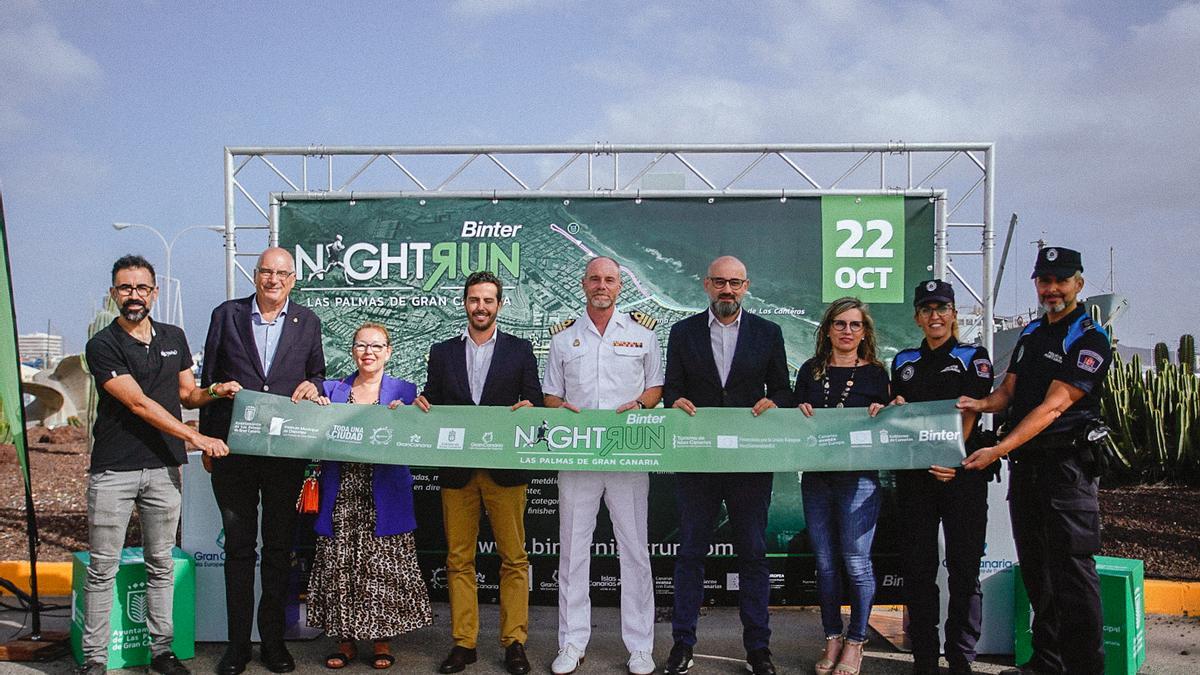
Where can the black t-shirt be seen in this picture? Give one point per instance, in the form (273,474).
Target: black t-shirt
(124,441)
(950,371)
(870,386)
(1073,350)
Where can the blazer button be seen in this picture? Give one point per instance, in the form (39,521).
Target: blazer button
(266,388)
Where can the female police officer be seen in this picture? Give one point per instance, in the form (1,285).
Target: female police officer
(941,368)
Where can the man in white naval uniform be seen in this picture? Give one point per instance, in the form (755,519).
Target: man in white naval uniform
(605,361)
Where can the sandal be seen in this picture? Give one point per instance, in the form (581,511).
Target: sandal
(850,661)
(829,659)
(382,659)
(346,652)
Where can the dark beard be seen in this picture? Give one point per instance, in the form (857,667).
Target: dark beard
(134,315)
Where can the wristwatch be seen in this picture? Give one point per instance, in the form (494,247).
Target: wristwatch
(640,404)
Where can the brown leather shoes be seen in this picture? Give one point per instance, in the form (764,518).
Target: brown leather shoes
(515,661)
(458,659)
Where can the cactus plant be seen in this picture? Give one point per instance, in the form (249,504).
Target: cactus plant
(1154,418)
(1187,352)
(1162,356)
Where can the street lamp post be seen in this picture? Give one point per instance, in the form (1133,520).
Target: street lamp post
(169,246)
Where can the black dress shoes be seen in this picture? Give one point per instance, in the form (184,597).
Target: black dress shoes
(275,657)
(515,661)
(680,660)
(167,664)
(234,660)
(758,661)
(459,658)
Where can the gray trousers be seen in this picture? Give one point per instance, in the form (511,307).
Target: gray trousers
(111,496)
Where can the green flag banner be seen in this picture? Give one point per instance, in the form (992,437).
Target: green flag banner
(12,419)
(714,440)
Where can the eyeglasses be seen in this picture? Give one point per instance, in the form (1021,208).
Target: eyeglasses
(128,289)
(268,273)
(720,282)
(852,326)
(929,310)
(370,346)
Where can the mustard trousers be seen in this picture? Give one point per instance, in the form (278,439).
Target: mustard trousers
(461,510)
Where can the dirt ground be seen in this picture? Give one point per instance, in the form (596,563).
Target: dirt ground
(1160,524)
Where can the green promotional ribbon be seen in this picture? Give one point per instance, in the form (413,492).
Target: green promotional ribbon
(910,436)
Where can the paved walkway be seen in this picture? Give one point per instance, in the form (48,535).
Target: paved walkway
(1174,645)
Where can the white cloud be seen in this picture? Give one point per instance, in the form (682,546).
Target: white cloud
(682,109)
(38,65)
(1093,110)
(1070,99)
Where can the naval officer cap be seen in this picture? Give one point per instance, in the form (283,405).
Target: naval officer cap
(934,290)
(1057,262)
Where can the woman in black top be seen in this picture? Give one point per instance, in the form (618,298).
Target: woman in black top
(940,369)
(841,507)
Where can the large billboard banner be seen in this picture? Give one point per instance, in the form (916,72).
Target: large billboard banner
(402,262)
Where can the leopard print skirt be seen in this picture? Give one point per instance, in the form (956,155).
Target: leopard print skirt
(365,587)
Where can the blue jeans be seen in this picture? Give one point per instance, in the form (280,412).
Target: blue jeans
(840,510)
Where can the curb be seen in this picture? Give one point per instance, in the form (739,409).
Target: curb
(1178,598)
(54,578)
(1175,598)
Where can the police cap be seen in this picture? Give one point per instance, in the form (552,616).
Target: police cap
(1057,262)
(934,290)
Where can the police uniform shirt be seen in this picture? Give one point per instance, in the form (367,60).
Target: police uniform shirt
(1073,350)
(950,371)
(602,372)
(124,441)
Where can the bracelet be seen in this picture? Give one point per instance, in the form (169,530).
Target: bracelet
(212,391)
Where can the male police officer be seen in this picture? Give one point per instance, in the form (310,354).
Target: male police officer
(942,369)
(1052,395)
(604,360)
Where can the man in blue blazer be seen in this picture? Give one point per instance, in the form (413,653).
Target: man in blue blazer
(269,345)
(484,366)
(724,357)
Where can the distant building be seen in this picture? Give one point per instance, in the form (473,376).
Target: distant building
(40,350)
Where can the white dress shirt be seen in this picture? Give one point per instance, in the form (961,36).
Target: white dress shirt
(479,361)
(724,339)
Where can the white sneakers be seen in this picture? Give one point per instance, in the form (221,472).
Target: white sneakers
(568,660)
(640,663)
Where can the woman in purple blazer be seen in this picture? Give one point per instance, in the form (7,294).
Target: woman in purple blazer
(365,582)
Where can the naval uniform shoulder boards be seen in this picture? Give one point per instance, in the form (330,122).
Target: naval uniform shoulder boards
(643,319)
(561,326)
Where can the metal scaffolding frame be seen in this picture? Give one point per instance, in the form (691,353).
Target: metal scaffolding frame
(617,171)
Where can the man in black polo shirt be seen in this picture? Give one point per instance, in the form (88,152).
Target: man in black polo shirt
(1052,395)
(143,373)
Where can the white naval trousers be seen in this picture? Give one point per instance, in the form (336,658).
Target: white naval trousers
(626,496)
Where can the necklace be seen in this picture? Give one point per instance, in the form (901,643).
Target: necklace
(845,392)
(350,398)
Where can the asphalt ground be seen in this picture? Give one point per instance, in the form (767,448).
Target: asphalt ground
(1173,645)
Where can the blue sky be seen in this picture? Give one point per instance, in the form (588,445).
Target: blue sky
(119,112)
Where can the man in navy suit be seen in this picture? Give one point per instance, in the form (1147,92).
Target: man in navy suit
(724,357)
(484,366)
(269,345)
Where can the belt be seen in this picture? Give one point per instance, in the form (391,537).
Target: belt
(1038,448)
